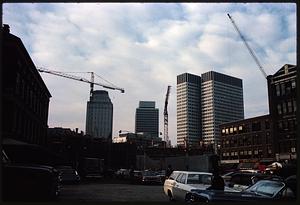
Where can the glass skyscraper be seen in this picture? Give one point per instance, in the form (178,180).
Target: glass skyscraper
(147,119)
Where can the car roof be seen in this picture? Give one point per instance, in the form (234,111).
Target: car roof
(193,172)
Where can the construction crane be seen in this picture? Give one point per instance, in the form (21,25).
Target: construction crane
(73,77)
(248,47)
(166,136)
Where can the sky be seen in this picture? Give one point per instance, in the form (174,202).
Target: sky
(142,47)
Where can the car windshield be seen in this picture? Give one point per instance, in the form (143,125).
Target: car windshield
(267,188)
(199,179)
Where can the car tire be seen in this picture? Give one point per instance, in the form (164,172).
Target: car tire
(170,195)
(187,197)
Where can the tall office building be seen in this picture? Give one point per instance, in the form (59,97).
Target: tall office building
(146,118)
(188,110)
(222,101)
(99,115)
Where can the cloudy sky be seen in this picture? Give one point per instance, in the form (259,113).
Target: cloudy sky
(142,47)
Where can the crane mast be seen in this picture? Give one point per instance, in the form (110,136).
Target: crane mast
(166,136)
(248,47)
(74,77)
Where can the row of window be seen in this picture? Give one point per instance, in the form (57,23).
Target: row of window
(287,125)
(287,107)
(285,88)
(28,129)
(246,152)
(247,141)
(32,96)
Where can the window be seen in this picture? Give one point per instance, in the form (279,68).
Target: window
(173,175)
(284,108)
(293,84)
(293,149)
(295,105)
(277,90)
(182,179)
(267,124)
(240,128)
(279,109)
(231,130)
(282,85)
(256,126)
(227,131)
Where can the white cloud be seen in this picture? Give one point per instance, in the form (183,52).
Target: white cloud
(143,47)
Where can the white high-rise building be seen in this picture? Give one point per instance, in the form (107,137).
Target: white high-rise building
(99,115)
(222,101)
(188,110)
(203,103)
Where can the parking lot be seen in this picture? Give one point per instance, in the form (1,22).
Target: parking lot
(95,190)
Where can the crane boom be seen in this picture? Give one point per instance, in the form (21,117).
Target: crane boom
(73,77)
(166,136)
(248,47)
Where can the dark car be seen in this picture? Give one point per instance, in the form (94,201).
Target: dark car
(28,182)
(263,190)
(68,175)
(147,177)
(242,180)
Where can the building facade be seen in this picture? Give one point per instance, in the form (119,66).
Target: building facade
(141,140)
(282,89)
(222,101)
(99,115)
(189,132)
(25,97)
(147,119)
(247,139)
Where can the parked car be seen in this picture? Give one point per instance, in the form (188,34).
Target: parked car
(181,182)
(122,174)
(162,175)
(68,174)
(291,182)
(150,177)
(263,190)
(242,180)
(28,182)
(227,177)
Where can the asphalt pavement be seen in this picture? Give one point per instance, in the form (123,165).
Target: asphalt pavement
(111,190)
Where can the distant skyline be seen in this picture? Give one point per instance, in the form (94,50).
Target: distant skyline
(142,47)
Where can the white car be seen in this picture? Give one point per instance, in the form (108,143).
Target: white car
(181,182)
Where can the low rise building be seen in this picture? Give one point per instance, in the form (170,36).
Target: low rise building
(250,138)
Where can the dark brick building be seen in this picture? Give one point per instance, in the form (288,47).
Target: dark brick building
(25,97)
(247,139)
(282,91)
(270,136)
